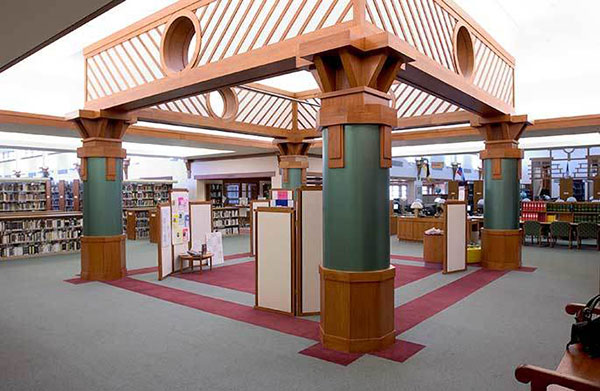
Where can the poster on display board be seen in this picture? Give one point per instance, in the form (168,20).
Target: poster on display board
(180,217)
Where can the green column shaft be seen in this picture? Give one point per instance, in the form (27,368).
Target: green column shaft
(102,200)
(356,227)
(501,196)
(294,179)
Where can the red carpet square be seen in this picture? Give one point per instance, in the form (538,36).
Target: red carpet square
(318,351)
(400,351)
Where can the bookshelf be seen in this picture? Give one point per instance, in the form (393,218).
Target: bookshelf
(145,193)
(66,196)
(574,212)
(226,220)
(24,195)
(214,194)
(34,234)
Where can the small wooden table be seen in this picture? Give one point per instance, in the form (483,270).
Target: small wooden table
(191,258)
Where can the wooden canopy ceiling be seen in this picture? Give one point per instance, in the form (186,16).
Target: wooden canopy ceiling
(453,64)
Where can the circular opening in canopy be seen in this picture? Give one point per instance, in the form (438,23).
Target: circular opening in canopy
(464,56)
(180,44)
(222,103)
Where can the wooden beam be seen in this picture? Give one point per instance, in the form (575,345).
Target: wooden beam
(196,121)
(423,121)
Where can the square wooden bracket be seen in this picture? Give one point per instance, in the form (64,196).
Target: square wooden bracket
(496,168)
(111,169)
(335,146)
(385,140)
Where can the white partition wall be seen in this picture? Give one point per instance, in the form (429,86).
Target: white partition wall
(310,249)
(455,259)
(165,250)
(253,206)
(200,222)
(275,259)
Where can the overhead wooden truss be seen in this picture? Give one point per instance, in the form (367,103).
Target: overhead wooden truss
(451,63)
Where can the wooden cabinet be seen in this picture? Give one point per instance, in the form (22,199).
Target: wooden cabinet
(412,228)
(477,193)
(154,226)
(453,190)
(393,225)
(566,188)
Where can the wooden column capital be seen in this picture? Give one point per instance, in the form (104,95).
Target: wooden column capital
(501,137)
(355,85)
(102,135)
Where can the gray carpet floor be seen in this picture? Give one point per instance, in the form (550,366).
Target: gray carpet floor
(59,336)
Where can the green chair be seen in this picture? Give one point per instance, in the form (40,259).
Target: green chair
(533,229)
(560,230)
(588,231)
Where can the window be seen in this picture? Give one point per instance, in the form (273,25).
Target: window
(403,192)
(394,192)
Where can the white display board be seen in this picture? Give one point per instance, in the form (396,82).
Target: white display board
(214,245)
(456,237)
(311,254)
(254,205)
(165,253)
(200,223)
(274,259)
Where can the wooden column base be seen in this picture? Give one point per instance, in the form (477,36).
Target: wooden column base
(357,310)
(103,258)
(501,249)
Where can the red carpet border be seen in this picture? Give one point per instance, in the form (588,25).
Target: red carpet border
(239,277)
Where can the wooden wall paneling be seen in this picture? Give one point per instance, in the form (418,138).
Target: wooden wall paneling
(154,226)
(453,190)
(413,228)
(131,224)
(477,192)
(596,190)
(48,195)
(76,194)
(61,195)
(566,188)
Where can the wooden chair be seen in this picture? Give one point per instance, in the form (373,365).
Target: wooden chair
(560,230)
(576,371)
(533,229)
(588,231)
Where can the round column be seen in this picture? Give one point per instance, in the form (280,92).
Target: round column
(356,204)
(294,179)
(501,235)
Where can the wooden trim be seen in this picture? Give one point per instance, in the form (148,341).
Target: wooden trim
(233,157)
(103,258)
(385,153)
(335,146)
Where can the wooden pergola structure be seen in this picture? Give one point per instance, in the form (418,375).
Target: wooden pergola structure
(380,65)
